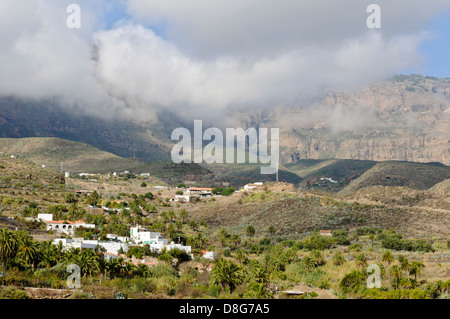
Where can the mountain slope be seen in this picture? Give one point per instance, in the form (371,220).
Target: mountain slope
(413,175)
(80,157)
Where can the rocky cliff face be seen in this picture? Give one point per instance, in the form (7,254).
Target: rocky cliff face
(406,118)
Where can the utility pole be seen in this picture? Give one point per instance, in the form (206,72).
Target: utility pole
(61,167)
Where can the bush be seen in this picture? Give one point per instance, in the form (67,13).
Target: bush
(148,195)
(353,281)
(228,191)
(227,252)
(215,290)
(13,293)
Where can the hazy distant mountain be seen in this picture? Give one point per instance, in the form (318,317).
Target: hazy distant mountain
(406,118)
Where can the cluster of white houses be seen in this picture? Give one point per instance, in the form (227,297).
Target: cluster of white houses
(193,192)
(114,244)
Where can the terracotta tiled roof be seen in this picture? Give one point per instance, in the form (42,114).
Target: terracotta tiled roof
(58,222)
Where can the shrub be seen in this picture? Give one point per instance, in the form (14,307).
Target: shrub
(12,293)
(353,281)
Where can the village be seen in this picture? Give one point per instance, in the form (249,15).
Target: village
(114,246)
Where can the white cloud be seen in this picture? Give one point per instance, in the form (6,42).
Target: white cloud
(215,55)
(145,69)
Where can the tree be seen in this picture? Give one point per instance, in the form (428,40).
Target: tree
(227,274)
(257,290)
(93,198)
(361,260)
(193,225)
(29,251)
(338,259)
(228,191)
(317,257)
(183,215)
(8,246)
(148,195)
(179,225)
(416,269)
(171,214)
(396,274)
(250,231)
(372,238)
(143,184)
(70,198)
(387,257)
(271,229)
(404,264)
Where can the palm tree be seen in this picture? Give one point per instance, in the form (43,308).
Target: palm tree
(165,256)
(171,214)
(387,257)
(257,290)
(396,273)
(416,269)
(29,251)
(50,254)
(260,275)
(308,264)
(193,225)
(141,271)
(338,259)
(200,240)
(236,240)
(317,257)
(361,260)
(183,215)
(250,231)
(271,229)
(127,270)
(404,264)
(8,246)
(227,274)
(372,238)
(114,266)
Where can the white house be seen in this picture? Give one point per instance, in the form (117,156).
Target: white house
(253,185)
(211,255)
(43,217)
(182,198)
(155,240)
(200,190)
(109,246)
(65,226)
(142,236)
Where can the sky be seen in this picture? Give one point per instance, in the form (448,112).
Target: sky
(138,57)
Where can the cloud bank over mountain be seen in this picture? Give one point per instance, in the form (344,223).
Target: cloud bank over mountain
(201,58)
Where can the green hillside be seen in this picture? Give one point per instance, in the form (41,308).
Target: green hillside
(79,157)
(418,176)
